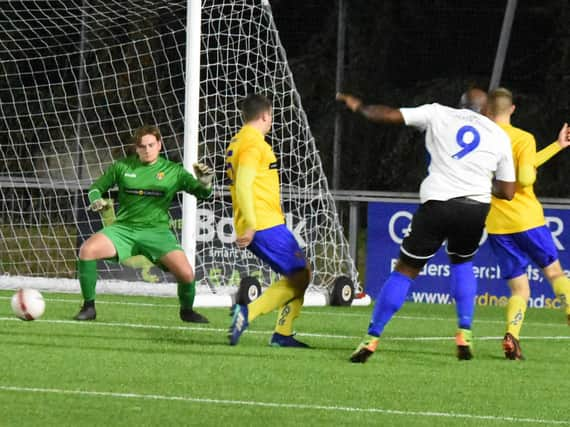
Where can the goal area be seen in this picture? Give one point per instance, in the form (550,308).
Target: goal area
(78,77)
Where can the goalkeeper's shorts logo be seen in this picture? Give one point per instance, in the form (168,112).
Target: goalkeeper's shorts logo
(274,165)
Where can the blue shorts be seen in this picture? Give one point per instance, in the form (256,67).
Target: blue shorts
(278,248)
(515,251)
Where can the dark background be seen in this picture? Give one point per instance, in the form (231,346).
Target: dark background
(406,53)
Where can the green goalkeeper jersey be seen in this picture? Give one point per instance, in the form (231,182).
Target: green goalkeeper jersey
(146,191)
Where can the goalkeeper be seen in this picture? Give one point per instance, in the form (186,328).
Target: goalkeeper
(517,229)
(147,183)
(258,219)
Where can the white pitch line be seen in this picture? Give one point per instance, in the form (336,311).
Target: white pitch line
(77,301)
(264,332)
(304,312)
(277,405)
(120,325)
(424,318)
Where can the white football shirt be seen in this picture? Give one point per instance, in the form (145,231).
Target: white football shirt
(466,150)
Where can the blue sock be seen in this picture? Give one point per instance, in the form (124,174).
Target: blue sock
(390,300)
(463,289)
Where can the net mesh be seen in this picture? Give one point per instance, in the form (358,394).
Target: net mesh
(78,77)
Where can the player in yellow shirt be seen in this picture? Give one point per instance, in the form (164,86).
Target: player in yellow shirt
(253,171)
(517,229)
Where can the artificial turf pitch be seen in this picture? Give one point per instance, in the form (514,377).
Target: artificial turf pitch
(139,365)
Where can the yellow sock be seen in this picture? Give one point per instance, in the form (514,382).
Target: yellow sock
(276,295)
(516,307)
(286,315)
(561,287)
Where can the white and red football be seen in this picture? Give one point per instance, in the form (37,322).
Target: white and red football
(28,304)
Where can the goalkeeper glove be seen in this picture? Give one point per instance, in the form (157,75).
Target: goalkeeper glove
(204,174)
(98,205)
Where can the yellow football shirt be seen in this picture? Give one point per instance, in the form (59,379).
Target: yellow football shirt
(524,211)
(255,191)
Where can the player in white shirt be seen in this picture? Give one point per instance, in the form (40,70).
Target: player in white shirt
(470,158)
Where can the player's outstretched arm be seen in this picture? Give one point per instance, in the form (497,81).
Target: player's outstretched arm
(100,187)
(199,186)
(376,113)
(551,150)
(564,136)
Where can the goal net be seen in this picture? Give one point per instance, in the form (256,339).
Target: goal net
(77,77)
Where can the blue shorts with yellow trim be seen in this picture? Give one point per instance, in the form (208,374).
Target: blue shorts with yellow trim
(515,251)
(278,248)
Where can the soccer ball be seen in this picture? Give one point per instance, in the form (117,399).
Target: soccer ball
(28,304)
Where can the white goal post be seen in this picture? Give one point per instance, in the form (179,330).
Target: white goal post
(77,77)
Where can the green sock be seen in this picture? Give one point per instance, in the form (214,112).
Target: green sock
(186,294)
(87,272)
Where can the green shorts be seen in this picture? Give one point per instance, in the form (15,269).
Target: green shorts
(129,241)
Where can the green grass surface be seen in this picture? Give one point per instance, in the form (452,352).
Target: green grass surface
(138,365)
